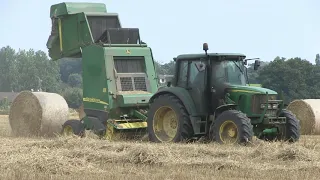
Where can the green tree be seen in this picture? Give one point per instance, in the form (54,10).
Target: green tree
(166,68)
(317,60)
(36,72)
(293,76)
(8,69)
(69,66)
(75,80)
(73,97)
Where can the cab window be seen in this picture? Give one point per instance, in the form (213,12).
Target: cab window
(183,73)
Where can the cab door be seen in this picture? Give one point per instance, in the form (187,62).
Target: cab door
(197,85)
(192,77)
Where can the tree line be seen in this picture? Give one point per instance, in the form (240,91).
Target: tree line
(33,71)
(22,70)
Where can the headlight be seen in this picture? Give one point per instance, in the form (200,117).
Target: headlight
(270,106)
(275,106)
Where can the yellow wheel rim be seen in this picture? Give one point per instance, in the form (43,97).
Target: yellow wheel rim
(67,130)
(165,124)
(228,132)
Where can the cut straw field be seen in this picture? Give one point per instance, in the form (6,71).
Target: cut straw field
(89,158)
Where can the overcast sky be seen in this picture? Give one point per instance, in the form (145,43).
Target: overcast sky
(264,29)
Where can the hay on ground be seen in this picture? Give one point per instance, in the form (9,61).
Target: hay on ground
(308,112)
(38,114)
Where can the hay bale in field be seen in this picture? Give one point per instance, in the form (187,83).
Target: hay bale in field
(308,112)
(37,114)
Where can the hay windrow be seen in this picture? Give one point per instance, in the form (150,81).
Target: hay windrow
(64,156)
(89,158)
(38,114)
(308,112)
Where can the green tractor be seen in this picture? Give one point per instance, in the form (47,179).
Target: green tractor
(210,97)
(118,69)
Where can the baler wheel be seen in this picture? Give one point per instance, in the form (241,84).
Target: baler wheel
(73,127)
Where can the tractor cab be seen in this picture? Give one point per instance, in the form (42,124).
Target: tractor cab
(210,75)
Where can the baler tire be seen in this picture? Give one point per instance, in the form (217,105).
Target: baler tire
(292,133)
(184,128)
(76,126)
(239,119)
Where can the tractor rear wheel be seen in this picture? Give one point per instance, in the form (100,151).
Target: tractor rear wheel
(231,127)
(73,127)
(292,133)
(168,120)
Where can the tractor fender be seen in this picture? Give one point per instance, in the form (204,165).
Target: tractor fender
(180,93)
(224,107)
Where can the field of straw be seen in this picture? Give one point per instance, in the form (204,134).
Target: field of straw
(90,158)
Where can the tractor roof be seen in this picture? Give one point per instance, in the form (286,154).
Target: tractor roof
(203,55)
(65,8)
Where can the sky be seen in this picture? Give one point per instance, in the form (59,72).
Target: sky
(263,29)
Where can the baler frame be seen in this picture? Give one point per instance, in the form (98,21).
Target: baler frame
(88,31)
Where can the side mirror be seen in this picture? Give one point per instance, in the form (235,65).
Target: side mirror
(256,65)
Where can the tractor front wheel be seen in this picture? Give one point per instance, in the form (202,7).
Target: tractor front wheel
(292,133)
(73,127)
(231,127)
(168,120)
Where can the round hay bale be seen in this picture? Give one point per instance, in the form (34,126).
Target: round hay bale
(308,112)
(38,114)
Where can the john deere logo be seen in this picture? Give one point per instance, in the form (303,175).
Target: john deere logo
(128,51)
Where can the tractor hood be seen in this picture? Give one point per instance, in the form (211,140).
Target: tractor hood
(251,89)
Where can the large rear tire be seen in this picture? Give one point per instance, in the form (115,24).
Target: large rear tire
(231,127)
(168,120)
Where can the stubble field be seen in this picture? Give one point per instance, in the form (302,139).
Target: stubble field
(90,158)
